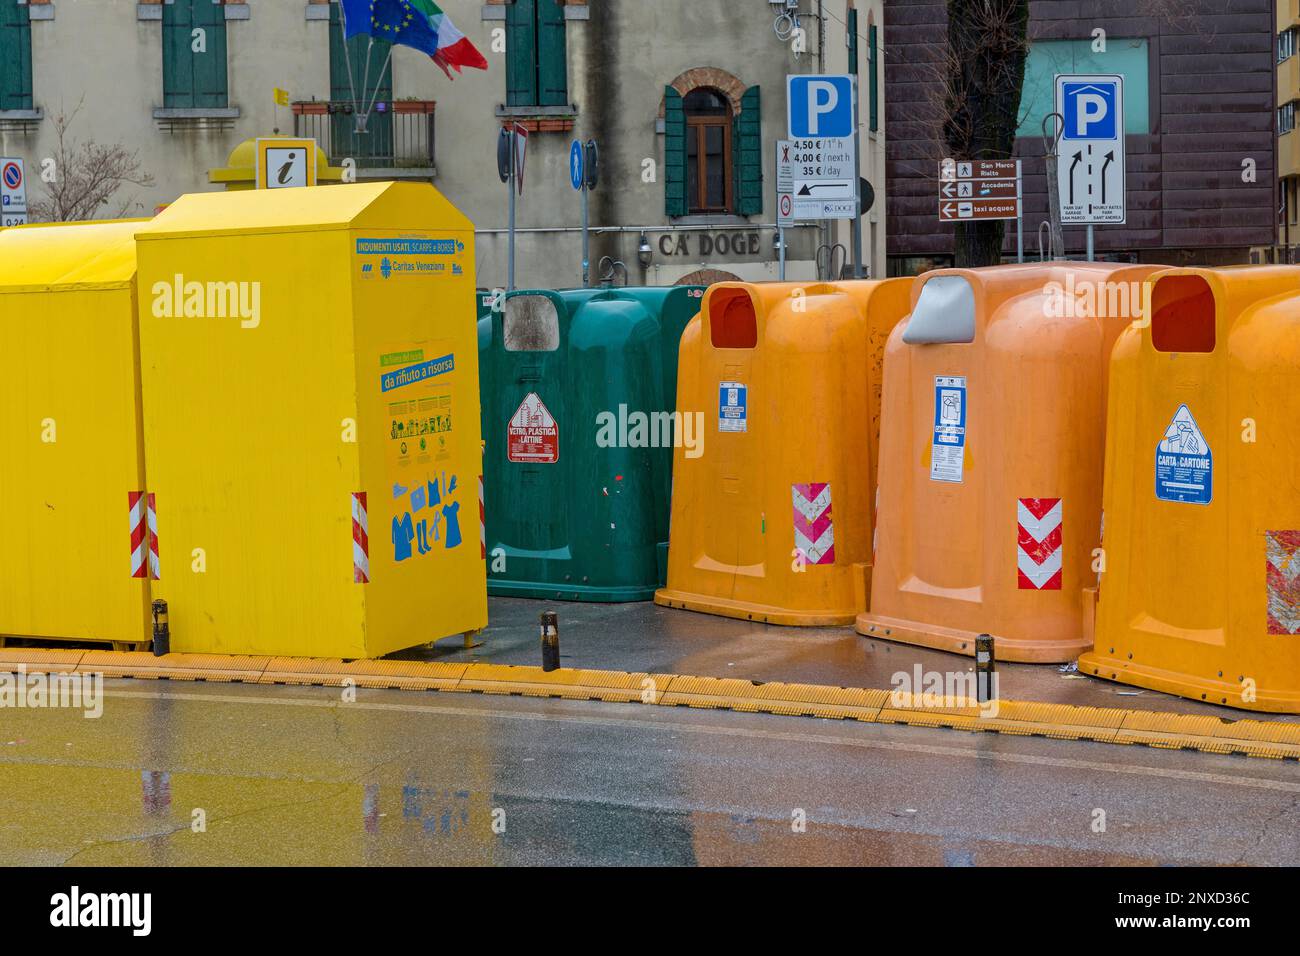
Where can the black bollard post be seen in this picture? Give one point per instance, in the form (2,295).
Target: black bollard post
(985,666)
(550,624)
(162,635)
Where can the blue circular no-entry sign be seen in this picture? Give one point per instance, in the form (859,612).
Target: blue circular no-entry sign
(575,164)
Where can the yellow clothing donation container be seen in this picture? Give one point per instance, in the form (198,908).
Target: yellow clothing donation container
(991,457)
(310,372)
(75,563)
(772,512)
(1200,595)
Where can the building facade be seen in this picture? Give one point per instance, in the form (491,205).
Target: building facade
(1199,118)
(1288,140)
(684,100)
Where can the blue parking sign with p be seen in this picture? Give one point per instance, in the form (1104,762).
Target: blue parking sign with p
(1089,109)
(820,106)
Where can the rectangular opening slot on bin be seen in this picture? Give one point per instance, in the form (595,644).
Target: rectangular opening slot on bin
(944,313)
(1182,315)
(531,324)
(732,321)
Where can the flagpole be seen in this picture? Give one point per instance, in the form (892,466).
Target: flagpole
(361,117)
(380,80)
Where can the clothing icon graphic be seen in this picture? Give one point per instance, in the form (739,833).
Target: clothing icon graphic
(451,514)
(403,532)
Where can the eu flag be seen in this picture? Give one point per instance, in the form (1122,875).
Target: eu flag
(397,21)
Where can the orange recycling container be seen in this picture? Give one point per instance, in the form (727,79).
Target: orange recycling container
(991,457)
(1200,595)
(772,511)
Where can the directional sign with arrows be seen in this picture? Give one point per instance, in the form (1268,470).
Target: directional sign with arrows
(1090,155)
(979,189)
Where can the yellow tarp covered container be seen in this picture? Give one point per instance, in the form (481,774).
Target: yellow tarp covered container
(1200,594)
(772,513)
(991,457)
(310,373)
(70,432)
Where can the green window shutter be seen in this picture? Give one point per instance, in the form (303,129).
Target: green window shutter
(674,154)
(521,53)
(15,57)
(747,155)
(552,59)
(873,83)
(210,89)
(737,183)
(194,80)
(178,60)
(340,88)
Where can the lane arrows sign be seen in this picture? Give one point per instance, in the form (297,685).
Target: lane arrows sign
(1090,160)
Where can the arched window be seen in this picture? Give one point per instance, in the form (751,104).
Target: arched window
(708,152)
(713,145)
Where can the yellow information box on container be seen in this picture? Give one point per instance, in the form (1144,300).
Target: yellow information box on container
(772,513)
(310,384)
(1201,591)
(75,560)
(991,457)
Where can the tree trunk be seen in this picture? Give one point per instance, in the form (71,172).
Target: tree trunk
(987,46)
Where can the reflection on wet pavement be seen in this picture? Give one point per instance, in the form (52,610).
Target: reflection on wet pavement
(231,775)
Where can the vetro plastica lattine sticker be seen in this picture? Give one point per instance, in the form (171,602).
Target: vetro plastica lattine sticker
(533,435)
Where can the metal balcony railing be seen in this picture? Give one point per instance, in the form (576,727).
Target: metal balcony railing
(397,134)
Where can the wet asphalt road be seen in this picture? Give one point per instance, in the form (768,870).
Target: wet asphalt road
(296,776)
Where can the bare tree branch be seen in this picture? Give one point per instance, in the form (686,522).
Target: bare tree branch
(86,176)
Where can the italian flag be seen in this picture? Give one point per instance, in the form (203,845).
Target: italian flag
(454,50)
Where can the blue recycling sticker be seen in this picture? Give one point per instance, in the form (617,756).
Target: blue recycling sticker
(948,447)
(733,398)
(1184,464)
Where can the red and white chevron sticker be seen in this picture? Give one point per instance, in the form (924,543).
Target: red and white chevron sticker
(360,539)
(1282,576)
(814,534)
(482,522)
(1039,555)
(144,535)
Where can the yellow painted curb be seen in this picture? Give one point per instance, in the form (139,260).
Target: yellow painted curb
(775,697)
(569,683)
(213,667)
(1209,734)
(332,672)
